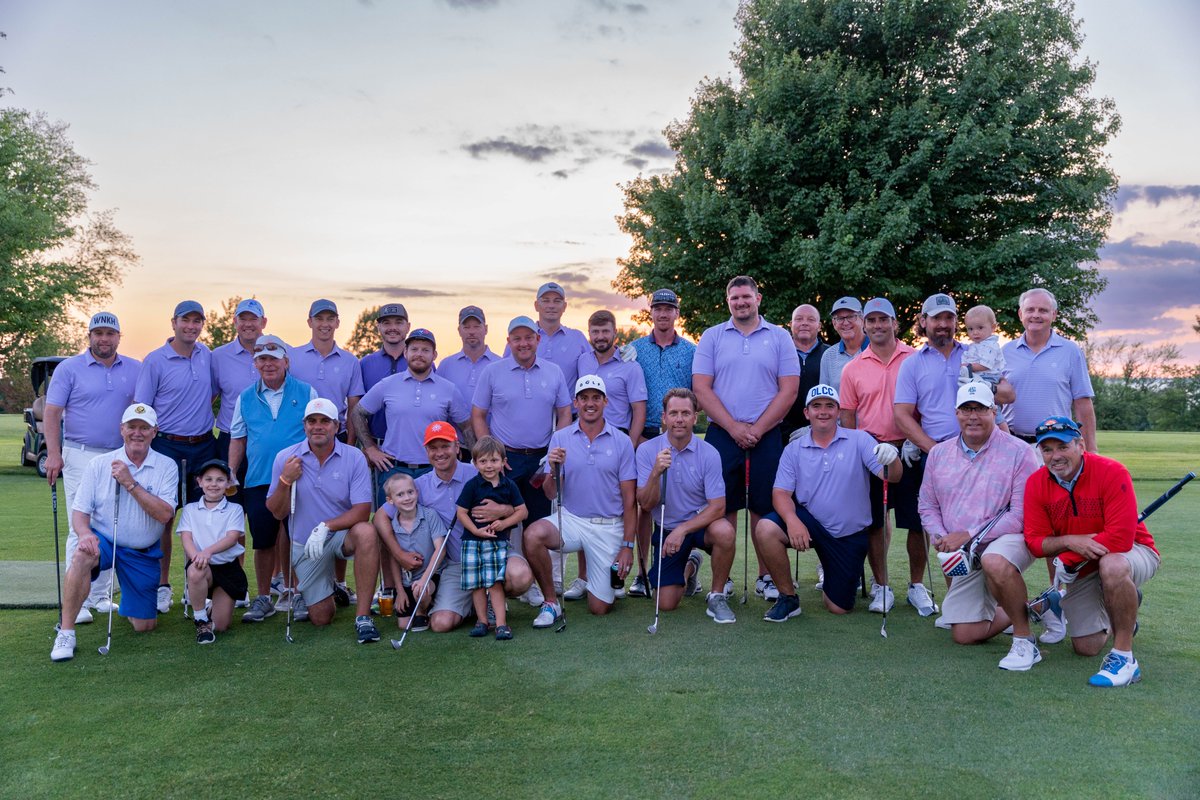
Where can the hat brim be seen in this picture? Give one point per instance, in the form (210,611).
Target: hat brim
(1062,436)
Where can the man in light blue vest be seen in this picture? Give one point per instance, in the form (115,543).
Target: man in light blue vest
(268,416)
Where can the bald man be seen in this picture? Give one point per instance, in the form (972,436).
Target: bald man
(805,327)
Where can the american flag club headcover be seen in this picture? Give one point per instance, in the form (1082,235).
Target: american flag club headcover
(954,565)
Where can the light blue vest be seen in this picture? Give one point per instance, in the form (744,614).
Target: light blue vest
(265,436)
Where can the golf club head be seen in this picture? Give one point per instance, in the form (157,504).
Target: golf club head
(883,631)
(288,636)
(396,644)
(652,629)
(743,601)
(562,625)
(102,649)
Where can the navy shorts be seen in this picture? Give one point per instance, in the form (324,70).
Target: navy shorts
(672,566)
(430,593)
(229,577)
(764,462)
(842,557)
(902,497)
(264,528)
(195,455)
(137,574)
(524,467)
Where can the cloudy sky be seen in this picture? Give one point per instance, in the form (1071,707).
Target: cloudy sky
(450,151)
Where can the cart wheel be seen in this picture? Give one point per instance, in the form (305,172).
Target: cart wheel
(41,463)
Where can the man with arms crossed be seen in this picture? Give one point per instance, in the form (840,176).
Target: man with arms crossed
(87,396)
(134,488)
(972,481)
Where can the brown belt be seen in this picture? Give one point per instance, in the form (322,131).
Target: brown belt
(171,437)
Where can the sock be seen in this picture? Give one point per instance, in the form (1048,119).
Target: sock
(1030,638)
(201,616)
(1123,653)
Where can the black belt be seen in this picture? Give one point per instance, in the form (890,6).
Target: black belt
(529,451)
(407,465)
(1023,438)
(171,437)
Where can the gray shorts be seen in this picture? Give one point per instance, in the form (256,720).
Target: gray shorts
(450,594)
(315,579)
(968,599)
(1083,604)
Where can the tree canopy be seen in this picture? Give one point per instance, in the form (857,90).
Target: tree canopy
(364,337)
(884,147)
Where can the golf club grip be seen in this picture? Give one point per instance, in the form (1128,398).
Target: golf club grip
(1167,495)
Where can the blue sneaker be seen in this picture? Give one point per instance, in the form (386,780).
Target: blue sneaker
(1116,671)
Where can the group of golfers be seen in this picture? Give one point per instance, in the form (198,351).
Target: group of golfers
(453,484)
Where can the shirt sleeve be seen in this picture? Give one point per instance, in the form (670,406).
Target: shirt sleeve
(460,410)
(237,426)
(372,401)
(626,470)
(277,468)
(166,485)
(85,495)
(356,380)
(483,389)
(848,394)
(788,363)
(564,393)
(360,478)
(437,528)
(906,381)
(466,496)
(1120,510)
(714,480)
(1081,383)
(644,459)
(636,386)
(187,520)
(514,493)
(61,383)
(702,359)
(785,476)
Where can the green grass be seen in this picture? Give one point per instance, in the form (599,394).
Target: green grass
(817,707)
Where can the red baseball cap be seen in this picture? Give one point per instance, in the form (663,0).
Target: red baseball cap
(440,430)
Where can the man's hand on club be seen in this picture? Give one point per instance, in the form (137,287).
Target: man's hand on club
(886,454)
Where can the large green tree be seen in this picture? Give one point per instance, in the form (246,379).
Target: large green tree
(58,262)
(884,147)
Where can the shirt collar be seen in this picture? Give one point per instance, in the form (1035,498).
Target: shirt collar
(1069,485)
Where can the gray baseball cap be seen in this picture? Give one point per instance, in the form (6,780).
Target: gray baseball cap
(846,304)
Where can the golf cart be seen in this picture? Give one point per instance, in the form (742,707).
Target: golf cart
(33,449)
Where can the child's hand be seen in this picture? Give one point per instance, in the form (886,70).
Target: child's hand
(488,531)
(401,604)
(200,561)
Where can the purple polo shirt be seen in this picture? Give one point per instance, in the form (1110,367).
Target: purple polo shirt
(375,367)
(522,401)
(441,496)
(832,482)
(93,397)
(232,371)
(929,380)
(335,376)
(1047,382)
(324,491)
(593,470)
(624,383)
(693,479)
(179,389)
(563,349)
(746,369)
(409,405)
(460,370)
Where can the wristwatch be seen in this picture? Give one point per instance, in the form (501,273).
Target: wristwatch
(627,545)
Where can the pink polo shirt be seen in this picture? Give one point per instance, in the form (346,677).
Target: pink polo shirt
(869,390)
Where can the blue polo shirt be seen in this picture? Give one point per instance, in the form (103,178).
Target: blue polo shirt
(664,368)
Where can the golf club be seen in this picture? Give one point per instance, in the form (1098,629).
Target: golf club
(887,537)
(562,557)
(57,563)
(182,503)
(113,576)
(746,538)
(1167,495)
(287,634)
(437,558)
(662,527)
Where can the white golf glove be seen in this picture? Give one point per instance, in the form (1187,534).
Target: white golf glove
(910,454)
(885,453)
(316,542)
(628,352)
(1062,575)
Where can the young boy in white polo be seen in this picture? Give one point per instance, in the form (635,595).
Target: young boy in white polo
(209,529)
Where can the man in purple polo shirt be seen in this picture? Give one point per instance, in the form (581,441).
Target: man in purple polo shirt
(232,371)
(558,344)
(464,367)
(822,500)
(332,484)
(409,401)
(693,510)
(391,320)
(745,374)
(176,380)
(599,478)
(335,373)
(439,489)
(926,388)
(86,398)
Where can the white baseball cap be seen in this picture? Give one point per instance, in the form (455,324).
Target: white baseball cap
(591,382)
(322,406)
(140,411)
(975,392)
(822,390)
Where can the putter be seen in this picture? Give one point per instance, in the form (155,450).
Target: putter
(57,563)
(662,527)
(113,576)
(887,537)
(287,634)
(745,539)
(437,557)
(182,503)
(562,557)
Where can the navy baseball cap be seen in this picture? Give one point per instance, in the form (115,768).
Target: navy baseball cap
(322,305)
(1064,429)
(391,310)
(214,463)
(189,307)
(551,286)
(466,312)
(423,334)
(664,297)
(251,305)
(104,319)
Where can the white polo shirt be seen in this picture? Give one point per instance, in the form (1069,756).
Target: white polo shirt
(207,525)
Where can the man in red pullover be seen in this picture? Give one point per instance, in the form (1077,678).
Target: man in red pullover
(1081,511)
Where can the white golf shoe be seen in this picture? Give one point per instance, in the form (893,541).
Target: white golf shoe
(1021,656)
(64,646)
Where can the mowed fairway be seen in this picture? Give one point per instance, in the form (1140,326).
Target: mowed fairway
(815,707)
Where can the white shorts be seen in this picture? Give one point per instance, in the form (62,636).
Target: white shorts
(1083,604)
(600,540)
(968,599)
(314,579)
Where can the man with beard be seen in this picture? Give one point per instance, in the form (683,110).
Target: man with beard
(464,367)
(86,398)
(391,321)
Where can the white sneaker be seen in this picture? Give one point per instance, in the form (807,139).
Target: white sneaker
(548,616)
(83,617)
(244,602)
(918,598)
(1056,628)
(576,590)
(940,622)
(880,595)
(619,593)
(1116,670)
(760,585)
(770,591)
(164,598)
(729,588)
(285,600)
(64,646)
(533,596)
(104,605)
(1021,656)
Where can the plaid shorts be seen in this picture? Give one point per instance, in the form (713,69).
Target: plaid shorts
(483,563)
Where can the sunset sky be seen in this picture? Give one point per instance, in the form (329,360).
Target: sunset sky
(442,152)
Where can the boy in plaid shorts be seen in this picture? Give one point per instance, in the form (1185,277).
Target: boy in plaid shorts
(485,549)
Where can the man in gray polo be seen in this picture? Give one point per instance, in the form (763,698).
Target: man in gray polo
(848,322)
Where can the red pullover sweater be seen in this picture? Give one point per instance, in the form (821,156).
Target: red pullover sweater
(1101,503)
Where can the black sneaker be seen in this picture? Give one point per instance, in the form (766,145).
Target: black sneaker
(204,632)
(503,633)
(420,623)
(786,607)
(341,595)
(366,630)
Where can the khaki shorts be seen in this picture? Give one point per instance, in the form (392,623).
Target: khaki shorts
(1083,604)
(968,599)
(314,579)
